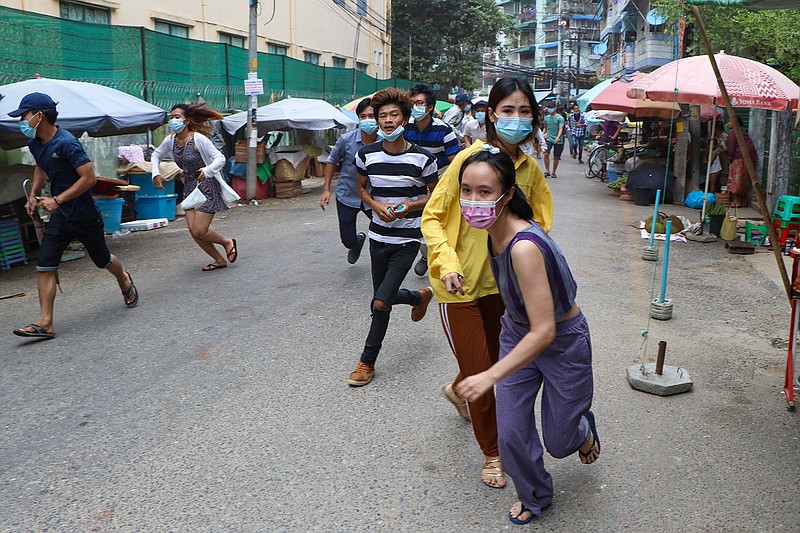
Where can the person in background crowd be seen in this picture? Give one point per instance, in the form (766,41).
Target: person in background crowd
(394,179)
(348,202)
(610,131)
(435,136)
(554,133)
(717,146)
(190,147)
(738,177)
(476,129)
(460,276)
(544,340)
(576,125)
(454,117)
(61,160)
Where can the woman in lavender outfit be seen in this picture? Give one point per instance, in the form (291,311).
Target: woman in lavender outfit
(544,340)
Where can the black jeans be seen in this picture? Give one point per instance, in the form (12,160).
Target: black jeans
(390,264)
(347,222)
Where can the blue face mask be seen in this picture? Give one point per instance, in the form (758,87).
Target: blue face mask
(418,112)
(480,116)
(467,108)
(391,136)
(177,125)
(27,130)
(550,110)
(368,126)
(513,129)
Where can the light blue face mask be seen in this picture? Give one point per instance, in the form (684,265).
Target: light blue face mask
(177,125)
(467,108)
(27,130)
(391,136)
(418,112)
(513,129)
(480,116)
(368,125)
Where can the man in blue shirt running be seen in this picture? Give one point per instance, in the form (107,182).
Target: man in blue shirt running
(62,160)
(348,203)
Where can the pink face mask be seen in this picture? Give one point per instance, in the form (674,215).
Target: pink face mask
(480,214)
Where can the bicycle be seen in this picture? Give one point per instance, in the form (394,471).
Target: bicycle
(596,163)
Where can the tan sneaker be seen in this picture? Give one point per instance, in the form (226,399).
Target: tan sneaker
(362,375)
(418,312)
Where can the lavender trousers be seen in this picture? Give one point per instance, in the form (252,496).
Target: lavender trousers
(565,370)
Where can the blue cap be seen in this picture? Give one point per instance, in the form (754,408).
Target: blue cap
(461,97)
(33,101)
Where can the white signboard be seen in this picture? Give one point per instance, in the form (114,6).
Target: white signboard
(253,87)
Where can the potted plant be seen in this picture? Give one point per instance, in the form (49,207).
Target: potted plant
(716,212)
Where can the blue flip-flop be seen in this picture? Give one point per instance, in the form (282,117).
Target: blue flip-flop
(595,437)
(515,520)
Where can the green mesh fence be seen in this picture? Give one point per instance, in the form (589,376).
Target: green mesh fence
(163,69)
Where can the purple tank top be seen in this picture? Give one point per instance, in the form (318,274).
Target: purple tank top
(562,284)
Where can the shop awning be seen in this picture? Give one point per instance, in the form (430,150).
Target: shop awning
(584,17)
(549,19)
(523,49)
(548,45)
(750,4)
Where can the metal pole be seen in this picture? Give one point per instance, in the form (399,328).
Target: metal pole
(409,58)
(252,122)
(578,68)
(355,57)
(748,163)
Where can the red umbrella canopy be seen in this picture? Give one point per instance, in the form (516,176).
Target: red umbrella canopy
(614,98)
(749,83)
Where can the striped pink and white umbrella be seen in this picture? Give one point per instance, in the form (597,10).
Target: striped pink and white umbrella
(691,81)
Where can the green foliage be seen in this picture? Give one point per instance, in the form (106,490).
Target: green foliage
(447,38)
(716,209)
(770,37)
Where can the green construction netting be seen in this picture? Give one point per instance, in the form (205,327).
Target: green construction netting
(751,4)
(163,69)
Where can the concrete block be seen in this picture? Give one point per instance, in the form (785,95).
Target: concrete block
(701,238)
(672,381)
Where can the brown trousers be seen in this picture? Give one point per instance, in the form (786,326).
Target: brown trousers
(473,331)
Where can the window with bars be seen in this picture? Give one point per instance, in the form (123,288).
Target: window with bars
(276,49)
(171,29)
(233,40)
(311,57)
(84,13)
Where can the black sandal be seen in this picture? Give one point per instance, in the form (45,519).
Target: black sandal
(595,448)
(131,290)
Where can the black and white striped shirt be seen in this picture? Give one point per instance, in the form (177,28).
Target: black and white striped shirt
(395,178)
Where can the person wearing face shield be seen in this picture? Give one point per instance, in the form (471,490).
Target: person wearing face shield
(348,203)
(434,135)
(455,116)
(470,306)
(62,161)
(475,129)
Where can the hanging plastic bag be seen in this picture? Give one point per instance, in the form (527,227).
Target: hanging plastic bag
(228,194)
(728,231)
(195,199)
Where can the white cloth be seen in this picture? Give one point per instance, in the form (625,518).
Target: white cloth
(213,159)
(475,130)
(715,165)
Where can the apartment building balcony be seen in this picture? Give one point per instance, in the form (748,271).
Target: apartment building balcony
(653,51)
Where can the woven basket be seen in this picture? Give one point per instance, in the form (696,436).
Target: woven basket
(284,171)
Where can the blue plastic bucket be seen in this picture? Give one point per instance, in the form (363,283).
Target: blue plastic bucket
(111,211)
(145,181)
(156,207)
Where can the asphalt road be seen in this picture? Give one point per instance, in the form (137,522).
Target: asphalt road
(221,403)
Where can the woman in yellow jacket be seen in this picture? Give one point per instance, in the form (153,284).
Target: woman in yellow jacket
(461,278)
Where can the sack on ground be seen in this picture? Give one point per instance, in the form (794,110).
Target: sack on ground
(195,199)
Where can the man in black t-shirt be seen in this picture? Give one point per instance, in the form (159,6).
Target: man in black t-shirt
(62,160)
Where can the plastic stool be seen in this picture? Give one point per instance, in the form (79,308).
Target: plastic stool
(755,233)
(787,208)
(784,232)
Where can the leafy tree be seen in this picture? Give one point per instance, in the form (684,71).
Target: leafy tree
(447,38)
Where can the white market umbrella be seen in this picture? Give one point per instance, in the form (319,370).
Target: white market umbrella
(292,113)
(82,107)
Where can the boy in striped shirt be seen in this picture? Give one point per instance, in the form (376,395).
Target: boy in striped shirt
(394,179)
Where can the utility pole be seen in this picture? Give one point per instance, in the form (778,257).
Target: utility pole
(578,68)
(409,58)
(355,56)
(252,122)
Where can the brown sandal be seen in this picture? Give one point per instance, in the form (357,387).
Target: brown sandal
(461,406)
